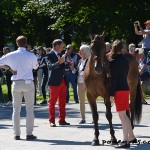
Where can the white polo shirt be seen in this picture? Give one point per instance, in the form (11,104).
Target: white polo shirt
(21,61)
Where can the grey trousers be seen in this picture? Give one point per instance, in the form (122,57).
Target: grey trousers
(39,78)
(22,88)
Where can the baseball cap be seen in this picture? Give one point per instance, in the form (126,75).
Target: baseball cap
(147,22)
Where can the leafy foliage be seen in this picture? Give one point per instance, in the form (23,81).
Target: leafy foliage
(44,20)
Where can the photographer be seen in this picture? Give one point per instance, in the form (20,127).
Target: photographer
(146,35)
(70,77)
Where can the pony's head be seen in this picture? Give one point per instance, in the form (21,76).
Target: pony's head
(98,51)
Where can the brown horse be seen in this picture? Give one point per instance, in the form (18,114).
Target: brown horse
(96,77)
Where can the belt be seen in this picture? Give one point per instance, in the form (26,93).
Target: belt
(21,80)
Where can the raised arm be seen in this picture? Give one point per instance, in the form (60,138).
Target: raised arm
(136,30)
(52,64)
(140,31)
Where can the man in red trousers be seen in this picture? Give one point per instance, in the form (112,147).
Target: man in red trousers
(57,82)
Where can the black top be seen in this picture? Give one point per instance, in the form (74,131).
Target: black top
(45,69)
(57,70)
(119,67)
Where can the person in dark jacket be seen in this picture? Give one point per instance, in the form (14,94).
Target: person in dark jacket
(43,66)
(57,82)
(8,74)
(119,91)
(70,77)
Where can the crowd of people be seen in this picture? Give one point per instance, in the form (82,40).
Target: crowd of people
(57,68)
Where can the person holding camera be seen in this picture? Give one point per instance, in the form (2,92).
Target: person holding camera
(57,82)
(70,77)
(146,35)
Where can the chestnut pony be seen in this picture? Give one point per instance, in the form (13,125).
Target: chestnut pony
(96,77)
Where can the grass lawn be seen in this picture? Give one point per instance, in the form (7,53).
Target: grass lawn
(40,98)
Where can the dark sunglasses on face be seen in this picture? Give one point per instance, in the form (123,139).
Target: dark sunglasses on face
(132,48)
(67,48)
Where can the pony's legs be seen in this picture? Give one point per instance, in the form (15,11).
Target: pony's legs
(109,118)
(93,105)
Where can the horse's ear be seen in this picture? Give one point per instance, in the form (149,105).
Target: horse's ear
(91,36)
(103,35)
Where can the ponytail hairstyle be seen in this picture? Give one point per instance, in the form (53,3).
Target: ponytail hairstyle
(117,47)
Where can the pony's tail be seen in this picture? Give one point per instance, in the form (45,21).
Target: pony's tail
(138,103)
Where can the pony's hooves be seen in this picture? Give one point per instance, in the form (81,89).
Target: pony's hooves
(95,143)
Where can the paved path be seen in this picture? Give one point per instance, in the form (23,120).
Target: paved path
(74,137)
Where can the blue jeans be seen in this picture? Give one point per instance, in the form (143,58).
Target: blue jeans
(44,83)
(72,78)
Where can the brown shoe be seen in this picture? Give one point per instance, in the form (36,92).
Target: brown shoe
(64,123)
(31,137)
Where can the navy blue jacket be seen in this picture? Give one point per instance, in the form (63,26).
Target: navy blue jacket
(57,70)
(119,67)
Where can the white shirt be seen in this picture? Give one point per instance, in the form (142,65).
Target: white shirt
(21,61)
(80,72)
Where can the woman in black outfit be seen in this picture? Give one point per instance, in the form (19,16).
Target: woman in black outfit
(119,91)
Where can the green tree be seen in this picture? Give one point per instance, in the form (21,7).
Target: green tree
(79,18)
(44,20)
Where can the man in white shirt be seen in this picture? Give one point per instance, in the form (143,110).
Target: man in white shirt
(22,62)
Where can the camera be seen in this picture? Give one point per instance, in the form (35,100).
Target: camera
(137,51)
(136,22)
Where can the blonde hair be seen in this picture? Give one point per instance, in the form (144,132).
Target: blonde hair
(86,49)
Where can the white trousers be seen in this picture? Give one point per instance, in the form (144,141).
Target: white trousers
(22,88)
